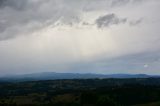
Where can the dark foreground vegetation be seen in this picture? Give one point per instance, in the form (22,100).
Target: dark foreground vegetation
(82,92)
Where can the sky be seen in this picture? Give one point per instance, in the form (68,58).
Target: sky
(79,36)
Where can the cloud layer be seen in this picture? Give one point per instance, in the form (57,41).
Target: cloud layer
(36,14)
(115,36)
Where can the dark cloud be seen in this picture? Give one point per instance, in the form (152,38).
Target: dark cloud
(21,16)
(14,4)
(108,20)
(2,3)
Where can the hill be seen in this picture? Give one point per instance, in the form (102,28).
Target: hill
(54,76)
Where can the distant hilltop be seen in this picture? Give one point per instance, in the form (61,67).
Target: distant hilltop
(54,76)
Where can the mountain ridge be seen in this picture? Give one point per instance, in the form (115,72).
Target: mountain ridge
(55,76)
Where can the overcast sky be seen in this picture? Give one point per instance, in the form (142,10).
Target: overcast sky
(80,36)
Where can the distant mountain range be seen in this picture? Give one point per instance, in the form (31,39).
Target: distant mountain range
(54,76)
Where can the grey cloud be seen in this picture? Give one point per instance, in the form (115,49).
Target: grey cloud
(2,3)
(108,20)
(126,64)
(14,4)
(60,50)
(86,23)
(17,15)
(135,22)
(106,4)
(118,3)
